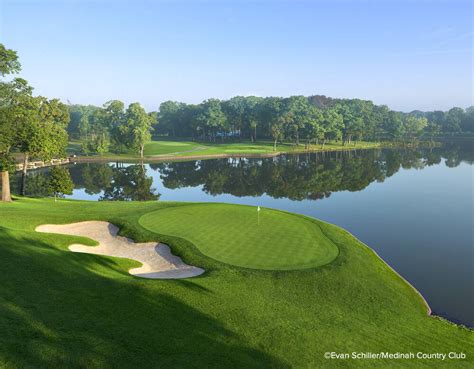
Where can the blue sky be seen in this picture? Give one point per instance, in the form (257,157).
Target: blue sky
(405,54)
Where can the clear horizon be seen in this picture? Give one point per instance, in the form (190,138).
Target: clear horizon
(414,55)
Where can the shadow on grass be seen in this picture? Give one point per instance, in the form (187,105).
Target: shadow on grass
(64,310)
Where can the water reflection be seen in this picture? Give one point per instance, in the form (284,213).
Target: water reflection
(116,182)
(301,177)
(295,177)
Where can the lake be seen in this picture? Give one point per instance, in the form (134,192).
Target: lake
(413,207)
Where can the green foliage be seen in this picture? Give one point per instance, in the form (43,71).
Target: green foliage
(110,126)
(9,62)
(414,126)
(40,126)
(60,182)
(314,118)
(139,126)
(211,118)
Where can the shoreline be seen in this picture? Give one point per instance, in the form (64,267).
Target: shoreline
(429,311)
(175,158)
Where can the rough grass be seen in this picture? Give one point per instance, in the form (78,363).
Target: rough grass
(241,236)
(60,309)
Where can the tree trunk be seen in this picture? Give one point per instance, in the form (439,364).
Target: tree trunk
(324,142)
(275,144)
(23,177)
(6,196)
(255,134)
(142,147)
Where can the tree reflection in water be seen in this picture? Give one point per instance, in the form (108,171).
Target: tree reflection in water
(296,177)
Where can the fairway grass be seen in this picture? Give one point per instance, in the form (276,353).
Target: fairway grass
(60,309)
(154,148)
(195,149)
(189,150)
(241,236)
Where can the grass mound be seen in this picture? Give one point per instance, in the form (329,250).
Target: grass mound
(239,235)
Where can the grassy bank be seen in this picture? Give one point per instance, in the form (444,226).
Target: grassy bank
(61,309)
(169,150)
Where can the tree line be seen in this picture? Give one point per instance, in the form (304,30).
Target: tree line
(298,119)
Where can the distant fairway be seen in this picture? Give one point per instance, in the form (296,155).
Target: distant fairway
(153,148)
(232,234)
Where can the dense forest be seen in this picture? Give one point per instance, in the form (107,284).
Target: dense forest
(297,119)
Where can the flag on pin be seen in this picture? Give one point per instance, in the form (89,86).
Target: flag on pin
(258,208)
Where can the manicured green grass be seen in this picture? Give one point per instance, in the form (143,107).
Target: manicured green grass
(60,309)
(267,148)
(154,148)
(241,236)
(238,148)
(183,149)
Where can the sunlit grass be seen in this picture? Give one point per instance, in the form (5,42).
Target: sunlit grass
(243,236)
(60,309)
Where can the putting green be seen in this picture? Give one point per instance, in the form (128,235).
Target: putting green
(237,235)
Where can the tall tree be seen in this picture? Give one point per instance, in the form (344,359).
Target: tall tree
(270,112)
(251,115)
(393,125)
(235,112)
(139,125)
(414,126)
(168,117)
(114,121)
(41,129)
(212,117)
(453,120)
(9,64)
(313,128)
(333,124)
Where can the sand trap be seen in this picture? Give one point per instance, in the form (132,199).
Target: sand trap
(157,259)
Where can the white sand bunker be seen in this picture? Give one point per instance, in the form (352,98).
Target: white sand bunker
(157,259)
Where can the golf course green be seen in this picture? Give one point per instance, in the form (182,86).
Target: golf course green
(242,236)
(61,309)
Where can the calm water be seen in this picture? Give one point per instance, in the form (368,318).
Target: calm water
(413,207)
